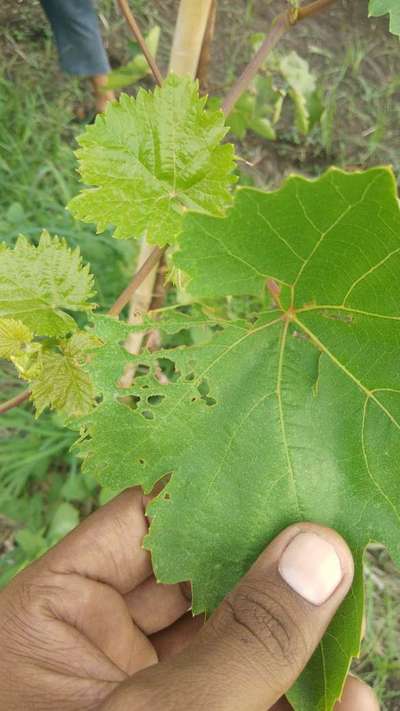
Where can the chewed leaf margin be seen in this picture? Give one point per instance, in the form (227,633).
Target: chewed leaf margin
(387,7)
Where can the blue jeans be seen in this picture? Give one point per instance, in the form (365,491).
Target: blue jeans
(77,34)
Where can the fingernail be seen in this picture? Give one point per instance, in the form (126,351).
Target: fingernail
(311,567)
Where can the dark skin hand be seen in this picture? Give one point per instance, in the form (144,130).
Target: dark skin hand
(87,626)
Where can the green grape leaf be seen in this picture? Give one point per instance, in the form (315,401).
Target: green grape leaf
(295,416)
(14,337)
(62,382)
(39,284)
(383,7)
(151,159)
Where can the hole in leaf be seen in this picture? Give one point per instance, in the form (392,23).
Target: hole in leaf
(147,414)
(131,401)
(168,367)
(155,399)
(141,461)
(189,377)
(204,390)
(210,401)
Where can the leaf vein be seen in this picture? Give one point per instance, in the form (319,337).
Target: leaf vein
(365,456)
(332,226)
(282,419)
(368,272)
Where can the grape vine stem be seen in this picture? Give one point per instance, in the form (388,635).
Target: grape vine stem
(14,401)
(151,261)
(282,23)
(135,29)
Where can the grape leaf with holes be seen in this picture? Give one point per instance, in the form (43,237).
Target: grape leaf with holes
(295,416)
(384,7)
(152,158)
(39,284)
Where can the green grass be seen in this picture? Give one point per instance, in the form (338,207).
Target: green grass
(379,664)
(41,490)
(38,178)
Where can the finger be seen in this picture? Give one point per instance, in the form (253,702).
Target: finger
(108,545)
(97,611)
(357,696)
(154,606)
(254,647)
(173,640)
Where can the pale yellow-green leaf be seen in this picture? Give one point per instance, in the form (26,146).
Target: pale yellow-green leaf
(63,384)
(302,84)
(40,284)
(14,337)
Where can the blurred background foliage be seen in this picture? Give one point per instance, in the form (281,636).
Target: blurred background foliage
(329,95)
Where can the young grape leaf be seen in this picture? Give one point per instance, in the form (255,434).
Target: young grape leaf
(383,7)
(18,346)
(293,417)
(152,158)
(38,284)
(14,337)
(302,85)
(62,383)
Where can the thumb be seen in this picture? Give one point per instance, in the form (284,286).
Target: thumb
(255,645)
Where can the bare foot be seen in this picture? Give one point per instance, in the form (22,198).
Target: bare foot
(102,96)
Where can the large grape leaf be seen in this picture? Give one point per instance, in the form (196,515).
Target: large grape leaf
(384,7)
(295,416)
(152,158)
(39,284)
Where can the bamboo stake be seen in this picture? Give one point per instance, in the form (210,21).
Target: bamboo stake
(188,39)
(139,305)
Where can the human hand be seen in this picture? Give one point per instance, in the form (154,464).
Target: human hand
(87,626)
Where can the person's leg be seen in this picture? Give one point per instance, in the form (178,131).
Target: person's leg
(80,46)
